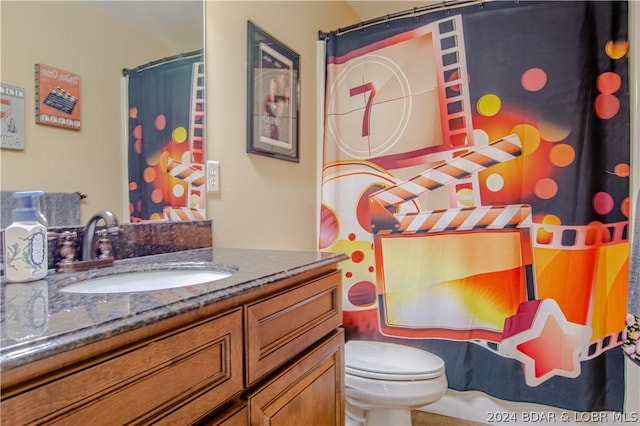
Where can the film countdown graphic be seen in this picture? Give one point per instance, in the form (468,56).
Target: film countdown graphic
(374,103)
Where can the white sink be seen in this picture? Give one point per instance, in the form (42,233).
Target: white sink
(145,281)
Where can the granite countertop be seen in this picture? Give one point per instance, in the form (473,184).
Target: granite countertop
(38,320)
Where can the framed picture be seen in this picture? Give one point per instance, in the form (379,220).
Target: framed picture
(273,96)
(12,117)
(57,97)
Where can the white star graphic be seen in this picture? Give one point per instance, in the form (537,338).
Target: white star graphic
(550,347)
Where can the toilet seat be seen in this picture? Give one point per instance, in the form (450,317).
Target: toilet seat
(390,361)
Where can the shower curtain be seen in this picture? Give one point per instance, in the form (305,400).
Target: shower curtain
(166,139)
(476,170)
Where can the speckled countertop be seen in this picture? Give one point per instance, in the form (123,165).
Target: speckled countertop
(38,320)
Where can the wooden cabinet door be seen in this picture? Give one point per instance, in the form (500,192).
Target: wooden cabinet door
(280,327)
(201,363)
(309,392)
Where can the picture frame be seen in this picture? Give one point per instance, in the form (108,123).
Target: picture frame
(273,96)
(57,97)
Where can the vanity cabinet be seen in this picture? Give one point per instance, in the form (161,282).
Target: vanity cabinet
(308,392)
(269,356)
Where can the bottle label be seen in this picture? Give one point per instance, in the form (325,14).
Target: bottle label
(37,250)
(26,256)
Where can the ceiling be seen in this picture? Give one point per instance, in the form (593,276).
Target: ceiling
(169,19)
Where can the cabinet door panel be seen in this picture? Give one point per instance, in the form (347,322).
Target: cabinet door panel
(140,383)
(309,392)
(282,326)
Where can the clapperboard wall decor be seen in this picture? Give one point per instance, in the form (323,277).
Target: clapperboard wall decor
(57,97)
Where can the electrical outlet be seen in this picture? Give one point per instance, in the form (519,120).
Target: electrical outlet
(213,177)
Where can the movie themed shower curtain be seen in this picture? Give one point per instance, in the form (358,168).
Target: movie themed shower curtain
(476,170)
(166,141)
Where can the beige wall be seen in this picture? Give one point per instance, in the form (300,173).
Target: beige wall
(76,37)
(264,202)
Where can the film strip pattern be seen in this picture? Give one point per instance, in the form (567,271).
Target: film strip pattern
(453,88)
(594,350)
(197,113)
(465,219)
(602,345)
(566,237)
(183,213)
(459,168)
(61,100)
(186,172)
(595,300)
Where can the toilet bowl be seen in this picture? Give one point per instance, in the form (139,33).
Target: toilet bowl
(385,381)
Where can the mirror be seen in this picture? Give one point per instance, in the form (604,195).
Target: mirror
(94,40)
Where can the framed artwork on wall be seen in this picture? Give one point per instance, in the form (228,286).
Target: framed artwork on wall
(57,97)
(273,96)
(12,117)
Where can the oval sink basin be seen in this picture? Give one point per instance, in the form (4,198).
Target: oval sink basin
(145,281)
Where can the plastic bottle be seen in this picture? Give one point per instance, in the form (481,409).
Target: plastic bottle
(25,242)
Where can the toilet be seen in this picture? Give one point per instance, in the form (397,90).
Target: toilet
(385,381)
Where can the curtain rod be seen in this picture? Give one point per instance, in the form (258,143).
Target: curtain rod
(126,71)
(410,12)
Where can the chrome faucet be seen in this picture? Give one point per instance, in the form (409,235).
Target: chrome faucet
(90,240)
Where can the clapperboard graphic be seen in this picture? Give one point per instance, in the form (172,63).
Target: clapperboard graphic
(193,176)
(451,273)
(57,97)
(61,100)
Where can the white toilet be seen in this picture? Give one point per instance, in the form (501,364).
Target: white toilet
(385,381)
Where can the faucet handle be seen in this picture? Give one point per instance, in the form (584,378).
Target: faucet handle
(68,249)
(104,246)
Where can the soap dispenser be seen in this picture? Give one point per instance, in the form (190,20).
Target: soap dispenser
(25,242)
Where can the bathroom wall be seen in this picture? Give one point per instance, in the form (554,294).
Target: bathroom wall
(264,202)
(80,38)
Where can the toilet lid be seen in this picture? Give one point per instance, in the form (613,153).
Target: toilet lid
(390,361)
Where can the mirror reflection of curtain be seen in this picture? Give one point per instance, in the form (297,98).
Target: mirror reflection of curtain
(166,137)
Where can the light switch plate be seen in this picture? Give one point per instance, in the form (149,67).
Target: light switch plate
(213,176)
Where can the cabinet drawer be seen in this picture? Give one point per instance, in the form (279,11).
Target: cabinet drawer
(282,326)
(137,385)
